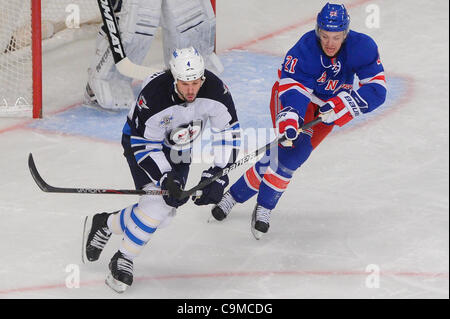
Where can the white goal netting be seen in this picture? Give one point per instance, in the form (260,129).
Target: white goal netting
(61,21)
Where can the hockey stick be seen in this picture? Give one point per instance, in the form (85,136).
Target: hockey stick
(51,189)
(124,65)
(245,159)
(180,194)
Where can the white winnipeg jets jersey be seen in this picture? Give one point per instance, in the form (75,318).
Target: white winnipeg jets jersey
(162,127)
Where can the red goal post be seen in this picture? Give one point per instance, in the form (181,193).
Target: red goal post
(36,53)
(26,27)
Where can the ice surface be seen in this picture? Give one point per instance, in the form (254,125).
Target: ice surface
(372,197)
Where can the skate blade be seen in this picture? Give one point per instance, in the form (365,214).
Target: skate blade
(212,219)
(84,239)
(115,285)
(256,233)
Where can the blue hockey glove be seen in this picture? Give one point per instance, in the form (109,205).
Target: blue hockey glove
(173,183)
(212,193)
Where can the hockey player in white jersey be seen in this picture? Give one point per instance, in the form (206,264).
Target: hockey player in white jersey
(183,23)
(171,111)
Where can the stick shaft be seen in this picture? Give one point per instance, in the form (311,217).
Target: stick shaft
(196,190)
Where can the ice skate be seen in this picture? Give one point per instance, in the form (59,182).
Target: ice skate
(121,276)
(260,221)
(95,236)
(223,208)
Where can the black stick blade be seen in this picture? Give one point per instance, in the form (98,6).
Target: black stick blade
(36,176)
(71,190)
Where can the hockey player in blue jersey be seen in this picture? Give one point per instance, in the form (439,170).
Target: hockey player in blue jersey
(171,111)
(316,78)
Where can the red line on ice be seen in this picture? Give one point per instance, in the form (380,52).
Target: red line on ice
(443,275)
(289,28)
(406,98)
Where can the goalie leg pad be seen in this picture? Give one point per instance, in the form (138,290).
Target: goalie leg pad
(112,93)
(107,87)
(190,23)
(138,22)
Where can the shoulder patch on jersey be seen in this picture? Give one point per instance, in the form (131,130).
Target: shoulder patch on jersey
(165,121)
(142,102)
(225,89)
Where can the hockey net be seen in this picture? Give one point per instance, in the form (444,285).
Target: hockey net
(27,27)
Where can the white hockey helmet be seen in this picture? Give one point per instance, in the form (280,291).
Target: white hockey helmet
(187,65)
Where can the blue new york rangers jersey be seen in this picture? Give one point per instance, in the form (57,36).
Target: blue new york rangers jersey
(308,75)
(162,127)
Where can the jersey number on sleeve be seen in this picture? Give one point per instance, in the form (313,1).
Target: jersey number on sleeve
(289,66)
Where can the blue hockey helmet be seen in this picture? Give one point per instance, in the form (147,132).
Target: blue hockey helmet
(334,18)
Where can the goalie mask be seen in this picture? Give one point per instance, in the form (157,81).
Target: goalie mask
(187,65)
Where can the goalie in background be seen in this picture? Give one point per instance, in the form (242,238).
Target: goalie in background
(183,23)
(170,113)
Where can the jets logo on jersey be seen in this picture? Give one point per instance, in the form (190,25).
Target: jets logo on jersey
(185,134)
(142,103)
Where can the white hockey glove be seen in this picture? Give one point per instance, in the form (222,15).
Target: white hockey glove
(342,108)
(288,121)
